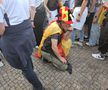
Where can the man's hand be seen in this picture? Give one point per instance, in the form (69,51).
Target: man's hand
(32,24)
(63,60)
(78,18)
(55,49)
(2,29)
(88,14)
(105,4)
(95,20)
(83,6)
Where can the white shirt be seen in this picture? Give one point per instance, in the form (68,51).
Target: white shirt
(72,4)
(16,10)
(1,14)
(79,25)
(63,1)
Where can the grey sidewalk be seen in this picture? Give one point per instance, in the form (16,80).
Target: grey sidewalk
(88,74)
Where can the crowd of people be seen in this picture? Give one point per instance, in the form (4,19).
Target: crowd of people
(53,27)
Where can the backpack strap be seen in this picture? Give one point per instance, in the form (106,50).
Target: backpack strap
(7,19)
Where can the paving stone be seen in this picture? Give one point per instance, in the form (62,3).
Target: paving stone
(88,73)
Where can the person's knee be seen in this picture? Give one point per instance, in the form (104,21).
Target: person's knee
(61,67)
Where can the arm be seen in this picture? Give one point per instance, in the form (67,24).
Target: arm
(96,16)
(32,11)
(2,29)
(55,50)
(93,5)
(2,26)
(60,3)
(1,1)
(83,6)
(106,4)
(32,8)
(45,5)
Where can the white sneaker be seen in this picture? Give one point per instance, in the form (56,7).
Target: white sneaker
(80,44)
(75,42)
(37,47)
(87,43)
(98,56)
(85,36)
(106,55)
(1,64)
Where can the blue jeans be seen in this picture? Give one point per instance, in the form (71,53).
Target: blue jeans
(94,34)
(80,35)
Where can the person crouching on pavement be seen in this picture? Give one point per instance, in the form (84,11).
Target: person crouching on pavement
(52,37)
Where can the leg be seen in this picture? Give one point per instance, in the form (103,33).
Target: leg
(39,23)
(31,76)
(103,41)
(38,31)
(103,48)
(103,44)
(93,35)
(90,23)
(73,35)
(81,35)
(56,62)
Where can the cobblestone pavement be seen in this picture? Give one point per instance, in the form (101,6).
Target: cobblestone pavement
(88,74)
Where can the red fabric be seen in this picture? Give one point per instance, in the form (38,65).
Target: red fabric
(64,16)
(61,52)
(60,11)
(66,8)
(69,22)
(36,55)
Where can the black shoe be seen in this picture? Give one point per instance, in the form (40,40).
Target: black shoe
(69,68)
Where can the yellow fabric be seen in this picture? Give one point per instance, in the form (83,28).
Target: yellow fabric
(102,17)
(66,45)
(64,13)
(50,30)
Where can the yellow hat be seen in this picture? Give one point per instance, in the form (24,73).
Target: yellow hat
(65,15)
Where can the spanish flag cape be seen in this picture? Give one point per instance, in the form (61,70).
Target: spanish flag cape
(52,29)
(63,47)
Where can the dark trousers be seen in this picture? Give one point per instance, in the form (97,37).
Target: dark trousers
(31,76)
(17,45)
(40,22)
(88,22)
(103,41)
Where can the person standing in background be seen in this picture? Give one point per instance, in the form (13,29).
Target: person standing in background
(79,19)
(103,40)
(39,19)
(95,28)
(53,6)
(91,13)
